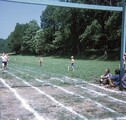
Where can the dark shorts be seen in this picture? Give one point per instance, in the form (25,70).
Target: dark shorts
(5,63)
(72,64)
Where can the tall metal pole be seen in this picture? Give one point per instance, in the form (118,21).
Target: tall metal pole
(123,38)
(67,4)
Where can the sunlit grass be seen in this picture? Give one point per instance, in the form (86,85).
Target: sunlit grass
(52,66)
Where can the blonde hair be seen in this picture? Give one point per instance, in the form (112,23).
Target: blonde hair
(72,57)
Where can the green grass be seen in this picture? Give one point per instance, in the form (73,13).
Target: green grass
(84,69)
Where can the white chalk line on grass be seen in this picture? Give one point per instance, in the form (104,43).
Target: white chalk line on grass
(66,91)
(105,95)
(54,78)
(50,97)
(119,92)
(100,94)
(72,93)
(75,80)
(120,118)
(23,101)
(69,92)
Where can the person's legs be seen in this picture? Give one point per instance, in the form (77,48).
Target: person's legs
(3,67)
(72,68)
(105,81)
(40,63)
(101,79)
(111,83)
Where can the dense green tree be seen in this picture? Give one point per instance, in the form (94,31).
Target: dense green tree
(39,42)
(78,30)
(69,30)
(27,46)
(3,46)
(15,38)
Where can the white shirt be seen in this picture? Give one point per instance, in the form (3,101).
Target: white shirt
(4,59)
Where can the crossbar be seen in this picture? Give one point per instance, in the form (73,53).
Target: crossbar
(67,4)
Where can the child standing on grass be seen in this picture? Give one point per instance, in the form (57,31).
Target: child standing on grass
(72,64)
(41,61)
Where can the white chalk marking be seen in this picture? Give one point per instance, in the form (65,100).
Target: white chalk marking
(121,118)
(66,91)
(69,92)
(55,101)
(53,78)
(115,99)
(95,102)
(119,92)
(101,94)
(50,97)
(97,86)
(72,93)
(23,101)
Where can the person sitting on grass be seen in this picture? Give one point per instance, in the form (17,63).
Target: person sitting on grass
(105,76)
(123,82)
(114,81)
(124,60)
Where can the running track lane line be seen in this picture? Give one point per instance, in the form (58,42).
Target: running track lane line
(119,92)
(50,97)
(23,101)
(100,94)
(119,118)
(71,93)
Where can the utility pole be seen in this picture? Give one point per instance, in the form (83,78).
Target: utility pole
(123,39)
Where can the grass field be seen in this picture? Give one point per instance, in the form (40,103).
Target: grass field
(55,66)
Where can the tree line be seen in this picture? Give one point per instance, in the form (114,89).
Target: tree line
(65,31)
(3,46)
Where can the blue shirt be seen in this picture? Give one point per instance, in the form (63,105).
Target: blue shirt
(115,79)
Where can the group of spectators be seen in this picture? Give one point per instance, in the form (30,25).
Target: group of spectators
(108,79)
(114,80)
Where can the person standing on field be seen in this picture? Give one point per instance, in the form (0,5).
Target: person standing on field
(8,58)
(72,66)
(4,61)
(41,61)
